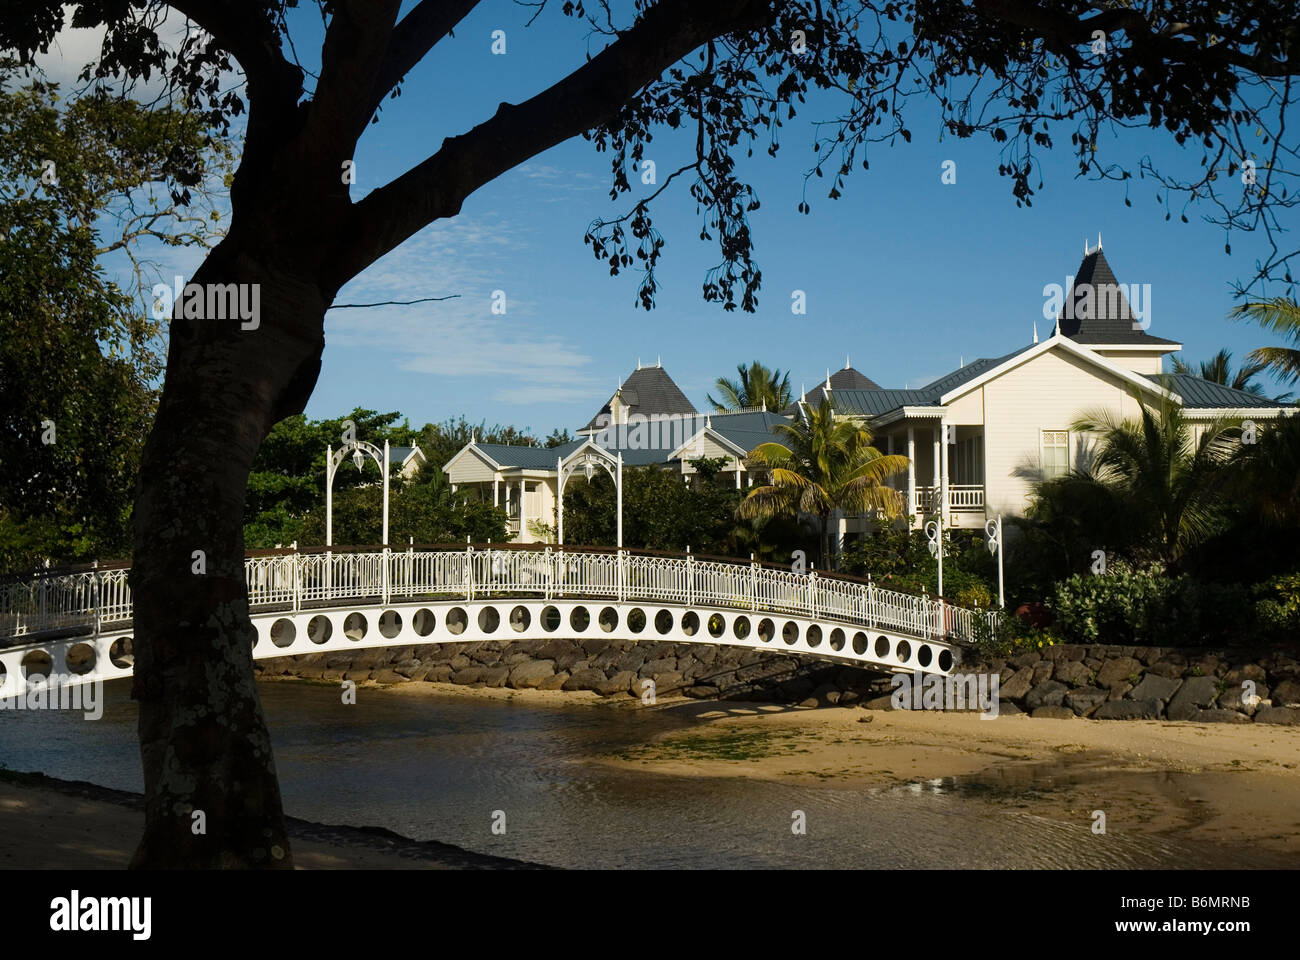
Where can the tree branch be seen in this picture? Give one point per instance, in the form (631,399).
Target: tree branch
(417,33)
(593,93)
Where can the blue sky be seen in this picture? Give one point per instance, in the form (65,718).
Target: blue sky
(904,274)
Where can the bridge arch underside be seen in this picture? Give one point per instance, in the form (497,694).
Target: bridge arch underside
(322,630)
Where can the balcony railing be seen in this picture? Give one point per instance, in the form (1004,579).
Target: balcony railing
(962,498)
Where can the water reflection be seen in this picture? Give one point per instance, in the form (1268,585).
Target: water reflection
(440,767)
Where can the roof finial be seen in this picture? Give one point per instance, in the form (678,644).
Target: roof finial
(660,361)
(962,362)
(1085,246)
(846,361)
(1098,239)
(708,422)
(828,378)
(765,404)
(1036,329)
(638,363)
(803,393)
(473,438)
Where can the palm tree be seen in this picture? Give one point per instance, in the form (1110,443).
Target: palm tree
(1163,472)
(1265,474)
(1218,369)
(824,465)
(1280,315)
(756,386)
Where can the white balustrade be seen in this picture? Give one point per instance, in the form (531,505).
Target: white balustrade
(99,598)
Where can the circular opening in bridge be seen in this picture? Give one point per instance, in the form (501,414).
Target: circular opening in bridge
(882,646)
(766,630)
(579,619)
(740,627)
(945,660)
(814,635)
(663,621)
(457,620)
(424,621)
(319,629)
(924,655)
(283,632)
(690,623)
(551,619)
(355,626)
(489,618)
(4,672)
(81,659)
(717,625)
(860,643)
(119,654)
(837,639)
(636,619)
(520,618)
(903,651)
(790,632)
(390,624)
(37,664)
(608,619)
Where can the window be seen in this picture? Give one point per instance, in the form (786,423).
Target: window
(1056,453)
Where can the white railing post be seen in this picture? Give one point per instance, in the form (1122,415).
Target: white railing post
(622,589)
(690,578)
(410,568)
(871,602)
(753,583)
(812,593)
(469,573)
(387,586)
(549,578)
(297,579)
(95,594)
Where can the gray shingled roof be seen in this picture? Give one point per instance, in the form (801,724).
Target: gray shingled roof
(648,392)
(1109,317)
(1198,394)
(747,430)
(846,379)
(527,458)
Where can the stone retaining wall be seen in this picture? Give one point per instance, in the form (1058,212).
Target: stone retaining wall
(1100,682)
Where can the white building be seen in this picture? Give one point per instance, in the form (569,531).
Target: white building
(1003,418)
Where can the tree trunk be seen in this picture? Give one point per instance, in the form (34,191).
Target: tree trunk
(212,799)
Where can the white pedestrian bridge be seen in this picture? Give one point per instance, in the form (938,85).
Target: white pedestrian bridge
(76,623)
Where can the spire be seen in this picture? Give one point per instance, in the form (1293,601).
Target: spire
(638,363)
(660,361)
(846,361)
(962,361)
(1098,239)
(1036,326)
(472,437)
(803,394)
(828,378)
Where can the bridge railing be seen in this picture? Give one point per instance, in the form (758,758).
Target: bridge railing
(96,598)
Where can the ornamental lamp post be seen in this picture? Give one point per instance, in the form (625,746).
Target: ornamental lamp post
(993,530)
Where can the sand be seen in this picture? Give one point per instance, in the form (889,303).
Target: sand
(1220,783)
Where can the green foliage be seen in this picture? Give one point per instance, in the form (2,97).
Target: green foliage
(1146,605)
(661,512)
(756,386)
(1010,636)
(824,464)
(899,559)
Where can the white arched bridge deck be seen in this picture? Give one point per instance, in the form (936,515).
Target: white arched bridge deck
(77,623)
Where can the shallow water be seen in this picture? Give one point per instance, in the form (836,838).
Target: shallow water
(440,767)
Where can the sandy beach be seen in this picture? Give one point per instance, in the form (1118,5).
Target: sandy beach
(1224,784)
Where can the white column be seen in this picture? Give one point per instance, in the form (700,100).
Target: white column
(523,509)
(619,495)
(329,496)
(911,469)
(559,498)
(385,494)
(934,485)
(943,475)
(737,460)
(496,493)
